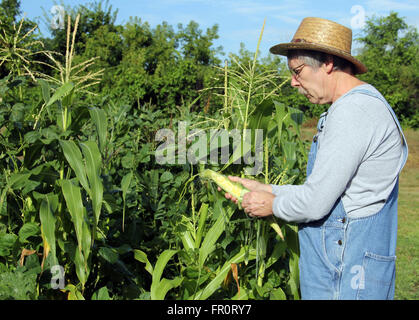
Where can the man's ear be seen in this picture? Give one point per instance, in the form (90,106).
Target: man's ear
(328,64)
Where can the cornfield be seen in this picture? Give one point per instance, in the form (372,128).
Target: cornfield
(87,213)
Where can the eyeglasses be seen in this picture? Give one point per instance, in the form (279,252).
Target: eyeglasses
(296,71)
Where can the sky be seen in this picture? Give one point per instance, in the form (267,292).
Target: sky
(242,20)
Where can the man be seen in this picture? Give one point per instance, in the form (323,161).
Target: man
(347,207)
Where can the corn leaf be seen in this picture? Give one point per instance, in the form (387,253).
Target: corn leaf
(73,292)
(156,283)
(291,232)
(278,294)
(187,240)
(93,165)
(82,270)
(208,244)
(46,214)
(72,198)
(60,93)
(74,158)
(222,273)
(99,119)
(164,286)
(142,257)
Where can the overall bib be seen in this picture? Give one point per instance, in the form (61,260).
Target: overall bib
(350,258)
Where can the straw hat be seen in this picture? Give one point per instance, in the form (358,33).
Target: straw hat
(322,35)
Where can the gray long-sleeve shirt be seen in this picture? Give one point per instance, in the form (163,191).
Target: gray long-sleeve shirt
(358,158)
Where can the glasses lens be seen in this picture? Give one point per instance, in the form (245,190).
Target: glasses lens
(296,71)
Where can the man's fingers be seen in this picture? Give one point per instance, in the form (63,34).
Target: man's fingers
(235,179)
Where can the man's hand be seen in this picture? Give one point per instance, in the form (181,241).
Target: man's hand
(258,202)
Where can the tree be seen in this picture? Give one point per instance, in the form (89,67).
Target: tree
(9,11)
(391,53)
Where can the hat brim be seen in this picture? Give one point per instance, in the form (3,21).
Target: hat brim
(283,48)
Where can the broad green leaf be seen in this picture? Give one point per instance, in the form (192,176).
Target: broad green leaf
(163,287)
(7,241)
(74,157)
(277,252)
(166,176)
(142,257)
(86,238)
(244,294)
(60,93)
(291,239)
(72,198)
(290,152)
(46,215)
(18,180)
(82,268)
(211,237)
(101,294)
(278,294)
(280,116)
(297,117)
(125,183)
(156,284)
(28,229)
(187,240)
(293,281)
(93,165)
(239,151)
(73,292)
(162,260)
(18,112)
(99,119)
(262,115)
(222,273)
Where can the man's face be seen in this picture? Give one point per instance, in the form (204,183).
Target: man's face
(308,81)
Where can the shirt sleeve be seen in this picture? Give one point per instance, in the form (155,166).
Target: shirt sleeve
(343,145)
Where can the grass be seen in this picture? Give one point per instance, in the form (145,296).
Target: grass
(407,251)
(407,274)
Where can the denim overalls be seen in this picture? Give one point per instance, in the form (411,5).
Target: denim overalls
(347,258)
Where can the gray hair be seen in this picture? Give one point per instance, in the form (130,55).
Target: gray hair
(316,58)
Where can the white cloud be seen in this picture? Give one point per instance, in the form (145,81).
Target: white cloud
(390,5)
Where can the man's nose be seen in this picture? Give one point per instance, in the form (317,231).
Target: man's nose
(294,82)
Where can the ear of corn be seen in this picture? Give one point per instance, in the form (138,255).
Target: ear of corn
(233,188)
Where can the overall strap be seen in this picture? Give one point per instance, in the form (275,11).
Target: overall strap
(390,109)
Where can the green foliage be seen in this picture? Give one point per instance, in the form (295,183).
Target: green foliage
(396,72)
(80,186)
(18,285)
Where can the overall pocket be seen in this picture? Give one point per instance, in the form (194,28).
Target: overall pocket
(378,277)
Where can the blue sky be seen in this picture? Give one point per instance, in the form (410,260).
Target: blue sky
(242,20)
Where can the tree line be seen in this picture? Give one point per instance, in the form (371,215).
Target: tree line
(174,67)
